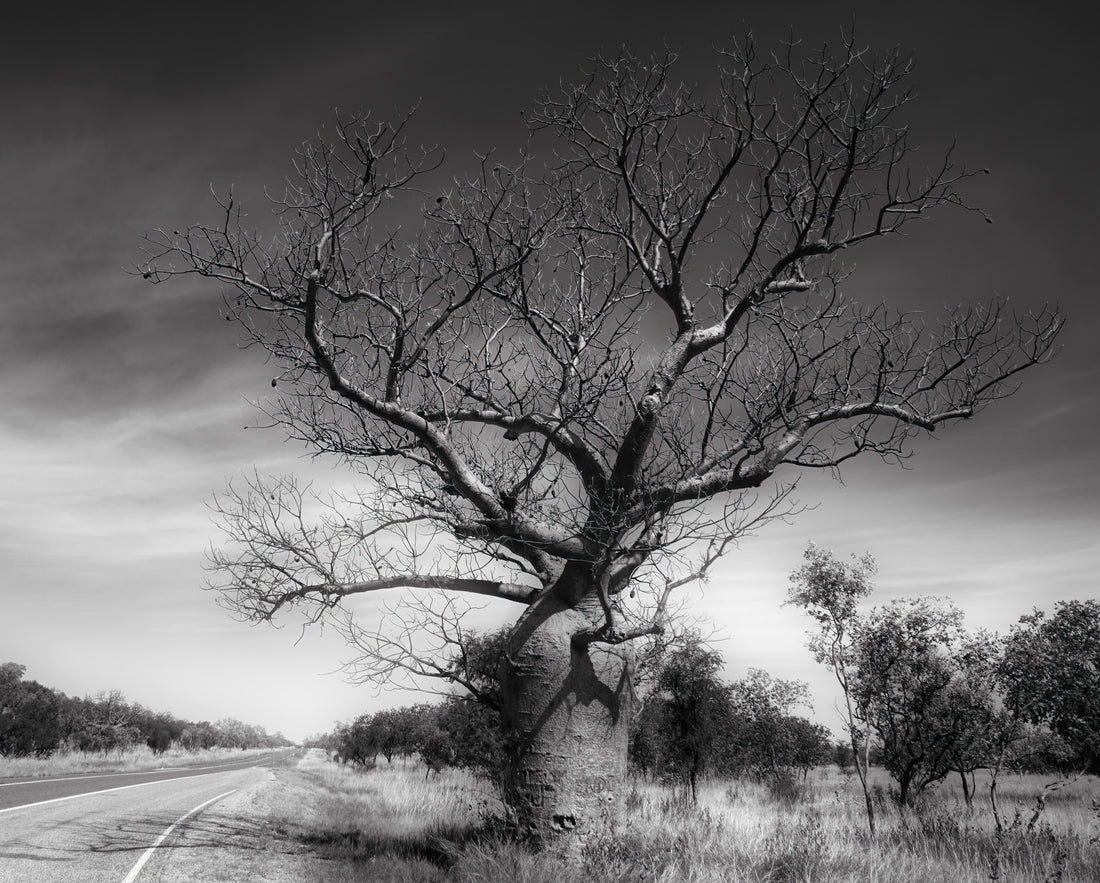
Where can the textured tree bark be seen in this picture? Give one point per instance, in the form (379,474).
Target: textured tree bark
(566,713)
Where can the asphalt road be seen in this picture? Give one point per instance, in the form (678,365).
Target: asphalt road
(105,828)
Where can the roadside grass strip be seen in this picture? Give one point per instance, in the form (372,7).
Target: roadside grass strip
(93,793)
(135,760)
(34,780)
(216,765)
(148,854)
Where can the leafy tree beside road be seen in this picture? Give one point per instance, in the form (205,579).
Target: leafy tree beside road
(30,714)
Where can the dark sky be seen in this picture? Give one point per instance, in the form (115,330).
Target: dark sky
(123,405)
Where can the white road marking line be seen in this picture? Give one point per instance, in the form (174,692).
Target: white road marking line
(145,856)
(104,791)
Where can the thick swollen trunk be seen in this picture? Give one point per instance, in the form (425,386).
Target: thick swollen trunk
(566,711)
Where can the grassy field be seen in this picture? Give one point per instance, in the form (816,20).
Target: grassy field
(394,824)
(75,763)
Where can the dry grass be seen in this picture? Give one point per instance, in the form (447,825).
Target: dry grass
(394,816)
(392,824)
(136,759)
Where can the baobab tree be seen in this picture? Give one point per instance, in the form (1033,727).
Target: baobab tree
(587,372)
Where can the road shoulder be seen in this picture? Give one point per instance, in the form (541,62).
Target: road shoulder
(241,838)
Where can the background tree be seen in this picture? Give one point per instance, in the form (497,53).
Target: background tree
(159,730)
(1046,675)
(396,732)
(772,741)
(199,736)
(591,370)
(694,723)
(808,744)
(105,723)
(905,681)
(35,719)
(647,737)
(356,742)
(919,692)
(30,714)
(466,660)
(696,715)
(830,592)
(975,711)
(931,699)
(1051,676)
(842,755)
(463,733)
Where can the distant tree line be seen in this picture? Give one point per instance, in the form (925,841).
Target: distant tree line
(927,699)
(694,723)
(36,720)
(459,732)
(921,697)
(691,724)
(462,731)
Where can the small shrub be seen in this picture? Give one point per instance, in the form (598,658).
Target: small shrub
(787,791)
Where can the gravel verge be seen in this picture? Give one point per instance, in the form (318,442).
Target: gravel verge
(241,839)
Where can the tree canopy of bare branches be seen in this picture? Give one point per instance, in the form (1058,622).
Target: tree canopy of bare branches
(594,367)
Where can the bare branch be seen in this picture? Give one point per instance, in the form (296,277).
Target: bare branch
(572,379)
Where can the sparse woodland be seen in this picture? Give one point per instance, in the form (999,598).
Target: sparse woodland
(966,758)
